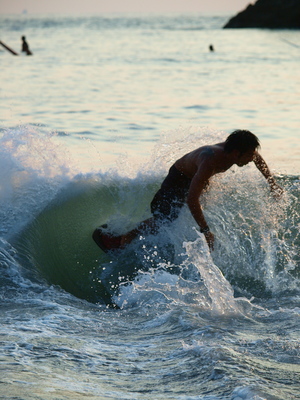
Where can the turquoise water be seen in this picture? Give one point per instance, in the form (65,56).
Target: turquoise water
(89,126)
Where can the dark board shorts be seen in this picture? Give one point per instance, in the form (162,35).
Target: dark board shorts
(171,196)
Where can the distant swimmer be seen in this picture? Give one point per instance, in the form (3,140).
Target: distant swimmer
(187,179)
(25,47)
(211,47)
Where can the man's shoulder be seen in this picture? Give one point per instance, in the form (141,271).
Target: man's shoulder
(207,151)
(208,157)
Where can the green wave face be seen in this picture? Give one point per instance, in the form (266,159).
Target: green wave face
(58,242)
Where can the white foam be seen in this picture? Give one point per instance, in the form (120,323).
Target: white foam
(246,393)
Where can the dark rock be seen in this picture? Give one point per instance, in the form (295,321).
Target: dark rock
(273,14)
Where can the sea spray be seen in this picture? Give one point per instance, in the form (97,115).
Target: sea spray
(191,278)
(219,290)
(32,169)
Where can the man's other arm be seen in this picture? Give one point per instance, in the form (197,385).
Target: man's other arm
(264,169)
(199,182)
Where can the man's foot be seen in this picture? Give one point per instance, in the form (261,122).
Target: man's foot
(106,241)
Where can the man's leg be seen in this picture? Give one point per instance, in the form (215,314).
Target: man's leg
(108,242)
(150,224)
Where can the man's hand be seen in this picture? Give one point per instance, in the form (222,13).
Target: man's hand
(210,238)
(276,190)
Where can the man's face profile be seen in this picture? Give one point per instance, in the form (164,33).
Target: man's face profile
(245,158)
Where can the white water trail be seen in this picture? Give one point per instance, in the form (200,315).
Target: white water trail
(218,288)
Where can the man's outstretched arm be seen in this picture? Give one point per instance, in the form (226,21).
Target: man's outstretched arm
(264,169)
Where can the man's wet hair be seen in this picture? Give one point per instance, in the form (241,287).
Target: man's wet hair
(241,140)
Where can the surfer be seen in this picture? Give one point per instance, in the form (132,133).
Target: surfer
(25,47)
(187,179)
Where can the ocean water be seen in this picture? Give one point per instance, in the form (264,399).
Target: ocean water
(89,125)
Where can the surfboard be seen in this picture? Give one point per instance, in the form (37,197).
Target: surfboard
(9,49)
(106,241)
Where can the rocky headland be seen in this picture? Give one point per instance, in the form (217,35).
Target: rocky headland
(272,14)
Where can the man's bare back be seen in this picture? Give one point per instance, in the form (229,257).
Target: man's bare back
(211,156)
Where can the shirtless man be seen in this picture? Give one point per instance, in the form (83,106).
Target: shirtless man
(187,179)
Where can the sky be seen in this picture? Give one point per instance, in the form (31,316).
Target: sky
(102,6)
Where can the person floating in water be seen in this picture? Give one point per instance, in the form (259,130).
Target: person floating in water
(187,179)
(211,48)
(25,47)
